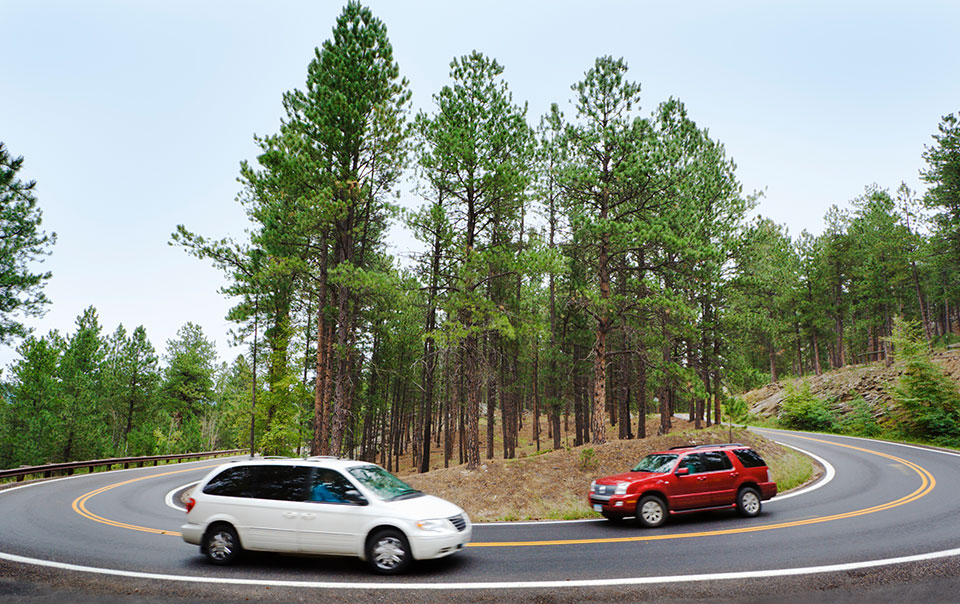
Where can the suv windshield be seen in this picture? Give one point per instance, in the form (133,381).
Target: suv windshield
(658,463)
(383,483)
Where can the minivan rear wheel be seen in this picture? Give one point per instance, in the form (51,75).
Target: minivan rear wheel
(222,545)
(388,552)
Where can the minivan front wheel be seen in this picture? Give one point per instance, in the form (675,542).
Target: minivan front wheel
(222,545)
(388,552)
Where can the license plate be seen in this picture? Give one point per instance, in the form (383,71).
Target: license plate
(597,507)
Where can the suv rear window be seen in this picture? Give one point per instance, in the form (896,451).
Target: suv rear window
(286,483)
(749,458)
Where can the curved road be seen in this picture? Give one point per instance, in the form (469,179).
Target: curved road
(889,508)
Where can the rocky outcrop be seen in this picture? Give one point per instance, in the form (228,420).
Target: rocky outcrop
(871,382)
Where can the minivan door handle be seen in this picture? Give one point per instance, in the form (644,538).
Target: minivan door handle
(289,514)
(308,516)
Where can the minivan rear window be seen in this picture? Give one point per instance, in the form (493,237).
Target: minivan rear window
(287,483)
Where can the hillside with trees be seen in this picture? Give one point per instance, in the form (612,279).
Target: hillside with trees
(574,271)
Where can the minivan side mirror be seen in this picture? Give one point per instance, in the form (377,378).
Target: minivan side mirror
(683,471)
(353,496)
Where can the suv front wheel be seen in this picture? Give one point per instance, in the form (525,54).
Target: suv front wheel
(651,511)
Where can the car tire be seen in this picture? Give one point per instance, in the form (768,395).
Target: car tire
(651,511)
(748,502)
(222,545)
(614,518)
(388,552)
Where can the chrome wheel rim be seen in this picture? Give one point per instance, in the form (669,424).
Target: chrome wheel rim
(221,546)
(652,512)
(388,553)
(750,502)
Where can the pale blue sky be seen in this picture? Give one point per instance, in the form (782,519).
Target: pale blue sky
(133,116)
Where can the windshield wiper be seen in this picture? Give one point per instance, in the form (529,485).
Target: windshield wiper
(406,494)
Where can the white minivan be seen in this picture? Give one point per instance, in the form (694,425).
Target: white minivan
(324,506)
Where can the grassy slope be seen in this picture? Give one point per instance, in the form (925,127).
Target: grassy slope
(554,485)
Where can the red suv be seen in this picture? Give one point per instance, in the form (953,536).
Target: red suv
(686,479)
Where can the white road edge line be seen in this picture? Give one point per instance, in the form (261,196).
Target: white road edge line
(828,474)
(757,574)
(169,500)
(784,572)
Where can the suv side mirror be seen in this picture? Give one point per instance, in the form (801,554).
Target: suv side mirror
(683,471)
(353,496)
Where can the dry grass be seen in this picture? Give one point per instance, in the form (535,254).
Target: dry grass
(553,485)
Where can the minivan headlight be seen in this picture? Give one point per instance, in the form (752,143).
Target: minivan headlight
(621,488)
(432,525)
(593,486)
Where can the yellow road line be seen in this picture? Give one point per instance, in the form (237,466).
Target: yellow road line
(80,503)
(928,482)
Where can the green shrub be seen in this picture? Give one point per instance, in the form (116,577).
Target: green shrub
(736,409)
(588,459)
(928,401)
(860,421)
(801,410)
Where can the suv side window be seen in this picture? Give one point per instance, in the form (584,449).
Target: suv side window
(716,461)
(329,486)
(285,483)
(693,462)
(749,458)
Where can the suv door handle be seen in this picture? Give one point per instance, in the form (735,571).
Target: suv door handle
(701,478)
(289,514)
(308,516)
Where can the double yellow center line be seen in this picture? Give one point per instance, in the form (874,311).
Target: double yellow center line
(927,483)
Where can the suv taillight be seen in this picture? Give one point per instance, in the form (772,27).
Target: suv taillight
(190,503)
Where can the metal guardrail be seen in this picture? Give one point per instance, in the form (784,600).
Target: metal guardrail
(46,471)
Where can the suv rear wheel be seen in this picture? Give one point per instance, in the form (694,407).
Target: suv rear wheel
(651,511)
(748,502)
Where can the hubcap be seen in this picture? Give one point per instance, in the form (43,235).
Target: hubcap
(221,545)
(388,553)
(652,512)
(750,502)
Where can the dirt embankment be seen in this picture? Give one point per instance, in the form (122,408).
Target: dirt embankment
(872,382)
(554,485)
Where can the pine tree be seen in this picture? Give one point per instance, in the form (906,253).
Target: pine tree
(22,244)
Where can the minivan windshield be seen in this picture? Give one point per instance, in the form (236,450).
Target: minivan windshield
(384,484)
(658,463)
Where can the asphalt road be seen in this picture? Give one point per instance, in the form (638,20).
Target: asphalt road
(883,529)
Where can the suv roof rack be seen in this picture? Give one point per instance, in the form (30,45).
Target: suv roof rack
(319,457)
(713,446)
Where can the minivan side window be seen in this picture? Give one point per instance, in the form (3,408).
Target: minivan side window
(329,486)
(286,483)
(749,458)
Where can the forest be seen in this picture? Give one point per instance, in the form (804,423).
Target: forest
(575,270)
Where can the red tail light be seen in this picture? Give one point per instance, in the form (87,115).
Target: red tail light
(190,503)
